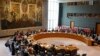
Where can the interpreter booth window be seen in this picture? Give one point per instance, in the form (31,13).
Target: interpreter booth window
(53,12)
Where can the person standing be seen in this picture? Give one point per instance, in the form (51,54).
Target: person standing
(13,48)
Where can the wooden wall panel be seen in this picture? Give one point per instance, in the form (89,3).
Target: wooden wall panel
(98,28)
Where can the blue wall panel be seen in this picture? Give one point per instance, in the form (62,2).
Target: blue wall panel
(80,21)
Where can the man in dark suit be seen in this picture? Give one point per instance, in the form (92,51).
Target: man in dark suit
(13,48)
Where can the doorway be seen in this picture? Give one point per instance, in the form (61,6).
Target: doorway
(72,24)
(98,28)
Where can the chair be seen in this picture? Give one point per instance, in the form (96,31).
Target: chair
(42,53)
(78,55)
(49,54)
(84,54)
(67,55)
(59,54)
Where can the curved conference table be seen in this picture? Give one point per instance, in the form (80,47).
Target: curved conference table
(42,35)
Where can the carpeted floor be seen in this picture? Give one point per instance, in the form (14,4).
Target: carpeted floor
(4,51)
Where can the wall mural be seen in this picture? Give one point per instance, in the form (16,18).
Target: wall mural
(22,13)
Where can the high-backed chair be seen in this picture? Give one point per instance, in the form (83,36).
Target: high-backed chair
(84,54)
(67,55)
